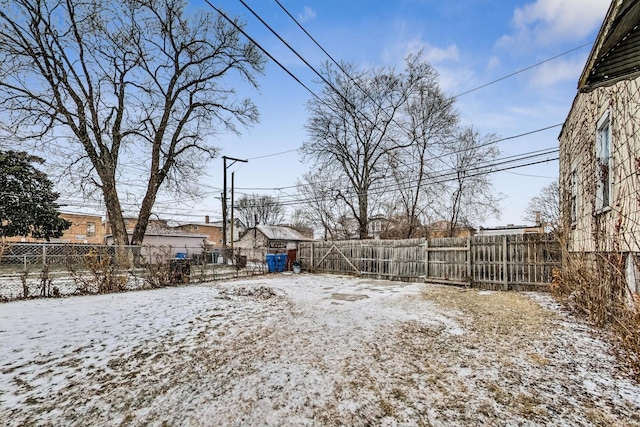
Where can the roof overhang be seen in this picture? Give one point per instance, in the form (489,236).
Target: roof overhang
(615,54)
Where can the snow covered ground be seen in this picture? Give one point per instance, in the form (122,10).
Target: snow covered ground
(306,350)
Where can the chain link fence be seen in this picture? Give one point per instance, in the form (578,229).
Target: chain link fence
(29,270)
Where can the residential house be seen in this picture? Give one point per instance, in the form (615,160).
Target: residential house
(348,228)
(259,241)
(130,223)
(84,229)
(510,229)
(161,242)
(213,231)
(442,229)
(377,225)
(600,144)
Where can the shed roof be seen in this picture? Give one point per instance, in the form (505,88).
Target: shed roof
(280,232)
(159,230)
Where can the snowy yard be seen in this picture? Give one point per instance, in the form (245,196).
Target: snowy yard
(306,350)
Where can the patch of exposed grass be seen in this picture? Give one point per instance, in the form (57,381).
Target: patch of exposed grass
(493,313)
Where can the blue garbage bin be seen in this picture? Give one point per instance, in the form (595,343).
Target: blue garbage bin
(272,263)
(282,262)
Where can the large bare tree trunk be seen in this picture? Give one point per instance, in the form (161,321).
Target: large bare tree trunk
(115,217)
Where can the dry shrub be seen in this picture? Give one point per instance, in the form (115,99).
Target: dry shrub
(158,273)
(594,285)
(99,273)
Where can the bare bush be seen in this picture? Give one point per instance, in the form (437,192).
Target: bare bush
(99,273)
(157,269)
(594,285)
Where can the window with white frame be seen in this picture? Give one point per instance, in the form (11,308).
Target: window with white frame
(91,229)
(574,196)
(603,162)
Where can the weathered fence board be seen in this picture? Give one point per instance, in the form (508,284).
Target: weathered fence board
(521,262)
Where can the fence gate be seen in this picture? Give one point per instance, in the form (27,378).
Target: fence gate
(339,258)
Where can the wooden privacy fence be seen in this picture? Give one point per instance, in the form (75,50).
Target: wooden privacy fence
(518,262)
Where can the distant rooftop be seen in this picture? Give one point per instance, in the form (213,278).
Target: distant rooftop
(279,232)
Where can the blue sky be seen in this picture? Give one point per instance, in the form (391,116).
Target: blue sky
(470,43)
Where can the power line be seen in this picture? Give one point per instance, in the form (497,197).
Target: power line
(274,154)
(381,191)
(344,71)
(523,69)
(498,165)
(290,48)
(327,82)
(455,96)
(302,28)
(449,175)
(285,69)
(426,160)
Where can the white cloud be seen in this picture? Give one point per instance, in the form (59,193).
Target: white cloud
(560,70)
(436,55)
(494,62)
(453,80)
(545,22)
(307,14)
(432,54)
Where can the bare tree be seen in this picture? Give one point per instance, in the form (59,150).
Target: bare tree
(320,205)
(429,121)
(546,207)
(257,209)
(299,222)
(353,125)
(138,81)
(471,193)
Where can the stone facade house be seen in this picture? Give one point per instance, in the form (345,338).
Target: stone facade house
(600,145)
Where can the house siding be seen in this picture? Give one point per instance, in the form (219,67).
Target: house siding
(617,227)
(257,242)
(79,232)
(254,247)
(80,229)
(213,233)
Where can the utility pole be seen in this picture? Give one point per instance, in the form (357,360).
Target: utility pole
(232,215)
(224,199)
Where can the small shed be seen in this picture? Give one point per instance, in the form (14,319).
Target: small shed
(259,241)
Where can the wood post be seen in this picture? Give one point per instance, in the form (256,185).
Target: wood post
(426,260)
(469,270)
(505,265)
